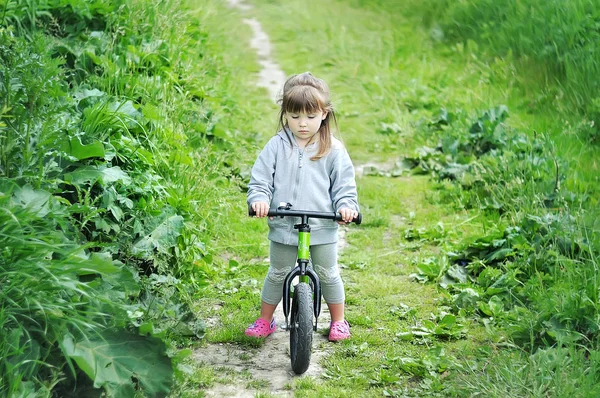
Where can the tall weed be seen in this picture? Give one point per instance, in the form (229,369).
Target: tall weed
(51,287)
(33,106)
(556,43)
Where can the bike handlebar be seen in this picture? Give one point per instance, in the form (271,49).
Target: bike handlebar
(310,214)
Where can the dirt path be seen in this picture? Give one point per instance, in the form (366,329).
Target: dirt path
(270,76)
(268,367)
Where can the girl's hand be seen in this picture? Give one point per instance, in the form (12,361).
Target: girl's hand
(261,209)
(347,215)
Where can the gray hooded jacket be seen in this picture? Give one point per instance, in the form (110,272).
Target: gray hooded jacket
(284,173)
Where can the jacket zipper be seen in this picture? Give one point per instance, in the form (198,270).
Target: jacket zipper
(295,192)
(296,188)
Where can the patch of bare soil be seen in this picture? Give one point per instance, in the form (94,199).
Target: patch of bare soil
(268,366)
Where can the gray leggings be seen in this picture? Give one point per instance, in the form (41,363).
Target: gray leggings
(324,260)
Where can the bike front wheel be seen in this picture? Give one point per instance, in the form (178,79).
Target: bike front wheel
(301,328)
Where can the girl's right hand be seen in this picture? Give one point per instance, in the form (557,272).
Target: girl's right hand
(261,209)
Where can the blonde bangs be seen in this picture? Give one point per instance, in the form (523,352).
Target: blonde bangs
(303,99)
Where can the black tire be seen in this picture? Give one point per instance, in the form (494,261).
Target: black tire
(301,328)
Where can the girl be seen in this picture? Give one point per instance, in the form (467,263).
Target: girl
(306,166)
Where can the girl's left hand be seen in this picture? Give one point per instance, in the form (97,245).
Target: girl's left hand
(347,215)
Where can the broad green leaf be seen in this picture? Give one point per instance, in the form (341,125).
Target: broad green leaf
(412,366)
(148,328)
(102,224)
(562,333)
(113,174)
(485,308)
(420,332)
(95,263)
(83,94)
(491,291)
(114,360)
(83,175)
(78,150)
(37,201)
(428,324)
(90,174)
(455,274)
(466,298)
(162,238)
(448,320)
(125,107)
(405,336)
(499,255)
(418,278)
(430,269)
(116,212)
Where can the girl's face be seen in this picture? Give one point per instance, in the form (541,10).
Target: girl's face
(304,125)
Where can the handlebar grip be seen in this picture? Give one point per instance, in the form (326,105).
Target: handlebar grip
(357,220)
(251,211)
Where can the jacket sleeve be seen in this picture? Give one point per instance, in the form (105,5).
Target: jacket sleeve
(343,182)
(260,188)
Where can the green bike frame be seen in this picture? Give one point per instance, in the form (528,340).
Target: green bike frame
(304,274)
(304,250)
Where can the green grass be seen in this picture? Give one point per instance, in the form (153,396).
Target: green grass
(376,268)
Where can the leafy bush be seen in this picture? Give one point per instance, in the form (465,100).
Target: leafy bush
(56,295)
(495,167)
(58,17)
(111,153)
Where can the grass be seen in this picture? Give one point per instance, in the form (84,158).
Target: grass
(136,99)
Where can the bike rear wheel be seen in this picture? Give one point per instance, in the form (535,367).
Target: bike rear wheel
(301,328)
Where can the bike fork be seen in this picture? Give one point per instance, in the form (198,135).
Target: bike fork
(305,275)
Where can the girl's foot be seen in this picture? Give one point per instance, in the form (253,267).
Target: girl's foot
(261,328)
(339,330)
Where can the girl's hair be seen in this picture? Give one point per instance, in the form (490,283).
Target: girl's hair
(307,93)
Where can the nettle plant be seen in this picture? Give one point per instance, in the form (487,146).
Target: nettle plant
(65,295)
(535,276)
(92,207)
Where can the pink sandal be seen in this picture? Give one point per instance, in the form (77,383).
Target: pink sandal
(261,328)
(339,330)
